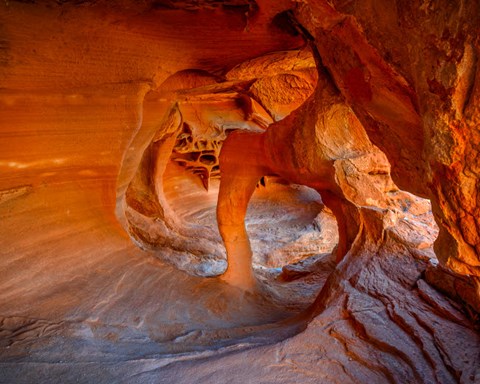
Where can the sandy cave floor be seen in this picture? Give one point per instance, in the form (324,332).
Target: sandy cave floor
(74,290)
(80,303)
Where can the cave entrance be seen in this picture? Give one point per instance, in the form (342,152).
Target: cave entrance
(292,233)
(170,210)
(170,205)
(290,229)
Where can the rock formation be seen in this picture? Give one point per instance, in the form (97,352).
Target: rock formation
(243,191)
(371,86)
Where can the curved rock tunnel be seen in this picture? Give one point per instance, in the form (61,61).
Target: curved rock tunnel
(269,191)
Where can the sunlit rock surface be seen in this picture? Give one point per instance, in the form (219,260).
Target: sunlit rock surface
(112,123)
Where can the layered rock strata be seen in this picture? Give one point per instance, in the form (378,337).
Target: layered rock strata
(98,212)
(416,94)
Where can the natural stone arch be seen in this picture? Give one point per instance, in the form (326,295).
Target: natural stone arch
(200,110)
(308,147)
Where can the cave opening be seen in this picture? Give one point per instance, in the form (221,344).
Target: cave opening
(291,232)
(204,191)
(293,236)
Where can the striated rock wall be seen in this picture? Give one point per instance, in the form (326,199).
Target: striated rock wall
(93,95)
(409,71)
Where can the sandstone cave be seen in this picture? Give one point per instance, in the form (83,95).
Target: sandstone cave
(240,191)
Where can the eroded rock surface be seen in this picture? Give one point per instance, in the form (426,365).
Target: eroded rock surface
(112,121)
(415,93)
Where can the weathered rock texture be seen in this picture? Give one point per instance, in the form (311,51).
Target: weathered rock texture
(417,94)
(114,119)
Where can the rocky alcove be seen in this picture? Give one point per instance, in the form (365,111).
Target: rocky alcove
(239,191)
